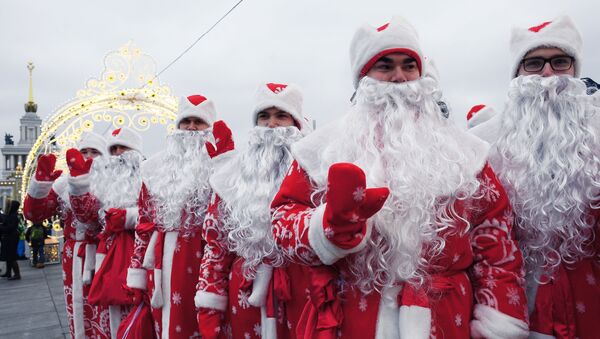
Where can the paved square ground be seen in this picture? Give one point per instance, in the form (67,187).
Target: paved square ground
(33,307)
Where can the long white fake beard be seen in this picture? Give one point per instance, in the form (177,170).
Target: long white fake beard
(181,185)
(260,169)
(116,180)
(399,137)
(548,160)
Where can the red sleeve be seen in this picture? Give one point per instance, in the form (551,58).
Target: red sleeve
(213,279)
(144,228)
(85,208)
(497,272)
(38,210)
(292,209)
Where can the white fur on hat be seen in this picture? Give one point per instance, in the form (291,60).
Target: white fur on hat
(124,136)
(196,106)
(560,32)
(287,98)
(479,114)
(92,140)
(371,43)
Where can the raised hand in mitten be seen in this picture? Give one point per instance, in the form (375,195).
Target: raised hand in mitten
(45,168)
(77,163)
(115,220)
(223,140)
(209,323)
(350,203)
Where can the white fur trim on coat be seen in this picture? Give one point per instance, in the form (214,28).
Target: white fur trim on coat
(210,300)
(537,335)
(327,252)
(492,324)
(149,256)
(39,189)
(136,278)
(415,322)
(260,286)
(79,185)
(387,315)
(90,263)
(77,290)
(157,299)
(268,326)
(131,217)
(99,259)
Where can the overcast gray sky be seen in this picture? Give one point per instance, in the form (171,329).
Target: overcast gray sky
(304,42)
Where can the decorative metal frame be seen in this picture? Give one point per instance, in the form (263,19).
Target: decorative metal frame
(126,94)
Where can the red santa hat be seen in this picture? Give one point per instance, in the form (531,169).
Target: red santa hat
(479,114)
(560,33)
(371,43)
(124,136)
(286,97)
(196,106)
(92,140)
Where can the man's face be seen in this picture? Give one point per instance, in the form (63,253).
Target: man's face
(547,61)
(395,67)
(89,152)
(274,117)
(192,124)
(118,149)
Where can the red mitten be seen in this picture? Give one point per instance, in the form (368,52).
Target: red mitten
(349,202)
(115,220)
(77,163)
(209,323)
(223,140)
(45,168)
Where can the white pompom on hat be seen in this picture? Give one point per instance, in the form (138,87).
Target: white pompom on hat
(479,114)
(371,43)
(92,140)
(196,106)
(560,33)
(286,97)
(124,136)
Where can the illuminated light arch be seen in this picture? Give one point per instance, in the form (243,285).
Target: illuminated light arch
(126,94)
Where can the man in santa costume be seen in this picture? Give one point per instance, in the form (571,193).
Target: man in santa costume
(113,206)
(428,254)
(547,155)
(236,273)
(173,203)
(47,196)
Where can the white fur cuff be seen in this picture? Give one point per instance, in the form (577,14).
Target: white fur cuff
(79,185)
(493,324)
(131,217)
(136,278)
(39,189)
(536,335)
(260,286)
(210,300)
(415,322)
(327,252)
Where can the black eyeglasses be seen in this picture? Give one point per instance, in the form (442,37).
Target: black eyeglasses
(558,63)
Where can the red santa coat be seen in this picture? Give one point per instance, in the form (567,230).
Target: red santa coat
(567,304)
(260,308)
(483,261)
(85,209)
(165,262)
(44,200)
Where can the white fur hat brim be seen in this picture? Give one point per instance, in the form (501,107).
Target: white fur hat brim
(371,43)
(560,33)
(204,110)
(92,140)
(124,137)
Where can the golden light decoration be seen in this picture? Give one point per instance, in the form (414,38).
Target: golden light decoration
(125,94)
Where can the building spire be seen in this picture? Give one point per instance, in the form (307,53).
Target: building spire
(30,105)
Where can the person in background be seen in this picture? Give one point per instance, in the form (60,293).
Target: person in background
(35,236)
(10,239)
